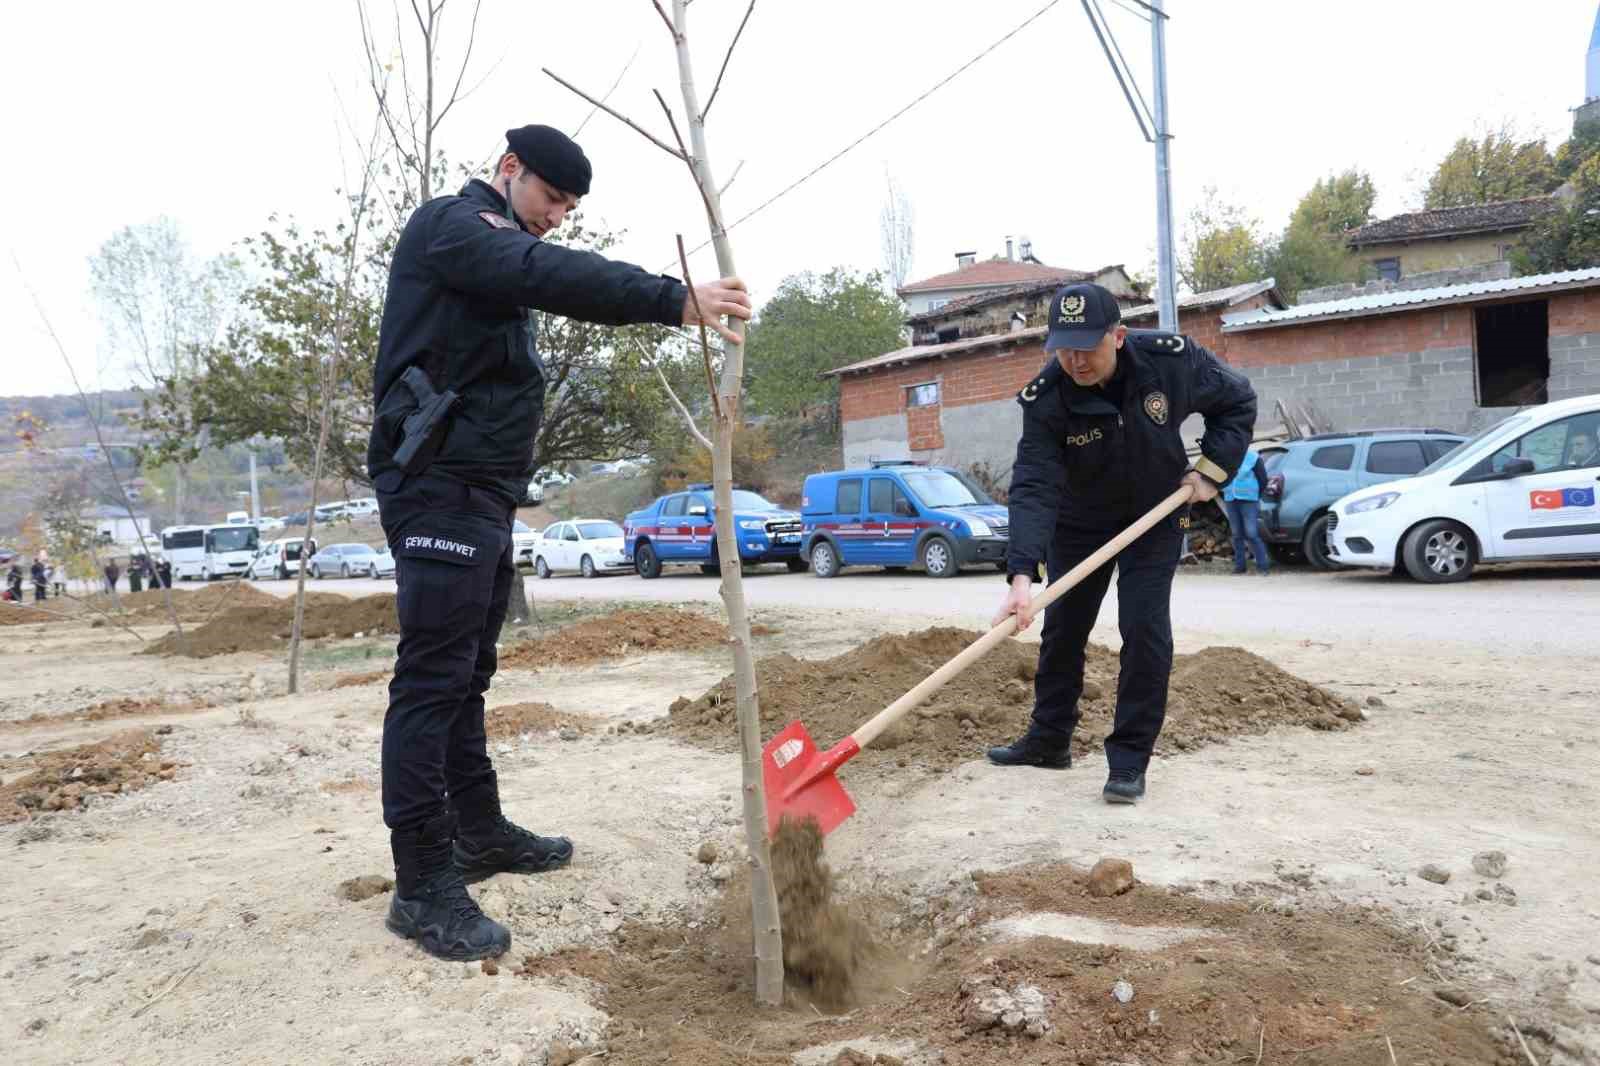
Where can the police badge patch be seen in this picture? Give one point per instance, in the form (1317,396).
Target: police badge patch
(1155,405)
(497,221)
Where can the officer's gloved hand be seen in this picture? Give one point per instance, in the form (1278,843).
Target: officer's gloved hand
(1018,601)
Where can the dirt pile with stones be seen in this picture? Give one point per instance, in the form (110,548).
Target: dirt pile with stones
(619,633)
(118,707)
(1214,694)
(267,626)
(514,719)
(1216,981)
(62,780)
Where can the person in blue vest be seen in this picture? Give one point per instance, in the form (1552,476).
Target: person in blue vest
(1241,501)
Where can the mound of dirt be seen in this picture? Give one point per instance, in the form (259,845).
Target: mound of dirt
(61,780)
(263,626)
(1214,694)
(26,614)
(514,719)
(1322,987)
(366,677)
(196,606)
(620,633)
(120,707)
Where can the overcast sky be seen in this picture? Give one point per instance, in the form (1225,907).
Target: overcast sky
(220,112)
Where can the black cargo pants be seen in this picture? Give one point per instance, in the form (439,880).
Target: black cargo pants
(453,576)
(1144,597)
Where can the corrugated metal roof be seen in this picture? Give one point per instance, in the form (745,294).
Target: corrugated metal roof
(1415,299)
(918,352)
(1213,298)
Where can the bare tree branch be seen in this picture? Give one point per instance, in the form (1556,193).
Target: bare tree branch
(711,212)
(595,110)
(455,92)
(673,396)
(737,33)
(724,190)
(666,18)
(705,345)
(615,114)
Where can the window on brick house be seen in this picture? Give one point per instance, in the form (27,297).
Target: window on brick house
(1388,269)
(922,395)
(1511,353)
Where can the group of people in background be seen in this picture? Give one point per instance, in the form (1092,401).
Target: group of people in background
(49,579)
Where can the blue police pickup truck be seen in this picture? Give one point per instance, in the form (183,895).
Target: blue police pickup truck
(898,514)
(680,528)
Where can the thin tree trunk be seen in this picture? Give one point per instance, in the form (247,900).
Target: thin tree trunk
(311,522)
(763,892)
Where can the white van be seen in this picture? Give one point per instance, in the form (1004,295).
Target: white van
(1523,489)
(206,552)
(279,558)
(362,508)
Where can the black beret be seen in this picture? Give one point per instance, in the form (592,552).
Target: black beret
(553,156)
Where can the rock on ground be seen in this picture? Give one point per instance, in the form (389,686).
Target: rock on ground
(1111,877)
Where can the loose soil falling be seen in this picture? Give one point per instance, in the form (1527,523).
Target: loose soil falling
(825,950)
(1320,988)
(265,626)
(621,633)
(61,780)
(1214,694)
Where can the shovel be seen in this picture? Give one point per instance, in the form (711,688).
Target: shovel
(800,780)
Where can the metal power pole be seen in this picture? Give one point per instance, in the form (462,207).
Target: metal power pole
(255,495)
(1166,276)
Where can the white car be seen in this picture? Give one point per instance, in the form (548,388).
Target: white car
(351,560)
(523,538)
(279,558)
(1523,489)
(591,546)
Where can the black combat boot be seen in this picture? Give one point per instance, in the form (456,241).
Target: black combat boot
(488,843)
(1035,748)
(431,904)
(1124,786)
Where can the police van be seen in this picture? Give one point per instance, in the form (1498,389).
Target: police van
(1522,490)
(205,552)
(896,514)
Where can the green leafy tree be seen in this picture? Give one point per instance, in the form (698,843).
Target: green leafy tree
(814,323)
(1498,166)
(1568,237)
(1577,149)
(1311,251)
(1222,245)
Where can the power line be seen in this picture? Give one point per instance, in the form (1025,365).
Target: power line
(814,171)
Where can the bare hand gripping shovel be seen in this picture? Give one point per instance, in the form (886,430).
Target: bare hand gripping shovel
(800,779)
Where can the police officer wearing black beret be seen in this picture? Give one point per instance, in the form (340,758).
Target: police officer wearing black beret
(459,394)
(1100,447)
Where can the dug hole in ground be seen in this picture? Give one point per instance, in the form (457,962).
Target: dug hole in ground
(1339,855)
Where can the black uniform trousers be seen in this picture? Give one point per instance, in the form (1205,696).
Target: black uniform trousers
(453,574)
(1144,595)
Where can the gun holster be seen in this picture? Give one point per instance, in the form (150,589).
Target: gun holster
(422,430)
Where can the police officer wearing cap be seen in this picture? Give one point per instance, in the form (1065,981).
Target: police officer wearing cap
(459,394)
(1100,447)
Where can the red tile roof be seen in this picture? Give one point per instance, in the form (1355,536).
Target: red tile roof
(992,272)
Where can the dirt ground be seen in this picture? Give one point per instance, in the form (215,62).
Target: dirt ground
(214,891)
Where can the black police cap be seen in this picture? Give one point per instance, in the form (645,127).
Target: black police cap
(1080,316)
(553,156)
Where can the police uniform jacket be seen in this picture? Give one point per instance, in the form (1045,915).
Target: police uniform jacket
(1100,457)
(462,276)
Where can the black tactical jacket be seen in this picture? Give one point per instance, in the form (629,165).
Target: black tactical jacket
(462,278)
(1087,462)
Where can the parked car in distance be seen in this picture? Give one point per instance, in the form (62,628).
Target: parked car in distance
(279,558)
(351,560)
(590,546)
(366,507)
(1305,477)
(899,514)
(1522,490)
(523,538)
(680,527)
(533,494)
(266,523)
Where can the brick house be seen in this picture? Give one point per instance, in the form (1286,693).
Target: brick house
(974,278)
(1004,308)
(954,402)
(1453,357)
(1446,238)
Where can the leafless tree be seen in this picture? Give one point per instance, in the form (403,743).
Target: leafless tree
(413,100)
(895,225)
(726,400)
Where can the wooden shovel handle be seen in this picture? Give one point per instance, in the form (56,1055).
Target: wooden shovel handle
(980,647)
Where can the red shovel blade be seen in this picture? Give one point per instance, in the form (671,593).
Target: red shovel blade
(800,782)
